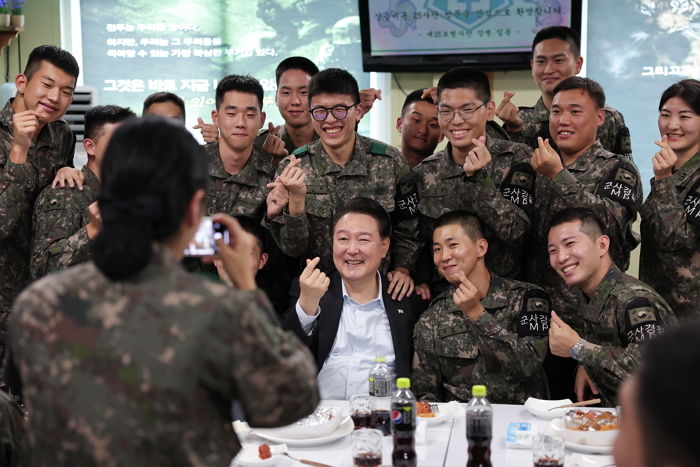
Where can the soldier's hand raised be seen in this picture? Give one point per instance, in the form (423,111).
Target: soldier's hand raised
(94,227)
(478,158)
(431,93)
(277,198)
(273,144)
(237,257)
(68,176)
(509,113)
(24,126)
(313,283)
(468,298)
(210,132)
(545,159)
(664,160)
(561,336)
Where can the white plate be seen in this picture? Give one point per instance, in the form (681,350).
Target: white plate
(249,456)
(443,413)
(540,408)
(345,428)
(589,449)
(580,460)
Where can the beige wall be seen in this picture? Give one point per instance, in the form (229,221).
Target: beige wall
(42,26)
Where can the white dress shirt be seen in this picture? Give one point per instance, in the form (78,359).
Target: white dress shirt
(363,333)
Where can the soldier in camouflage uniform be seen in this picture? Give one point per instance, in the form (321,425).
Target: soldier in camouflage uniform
(340,166)
(670,258)
(475,172)
(555,57)
(35,144)
(128,359)
(617,314)
(62,225)
(484,329)
(165,104)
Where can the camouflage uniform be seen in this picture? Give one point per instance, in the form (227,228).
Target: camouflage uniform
(242,194)
(501,194)
(13,432)
(283,135)
(503,349)
(20,184)
(622,314)
(60,226)
(373,172)
(613,135)
(670,258)
(599,180)
(142,372)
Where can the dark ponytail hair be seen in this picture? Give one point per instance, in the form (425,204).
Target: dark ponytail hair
(151,170)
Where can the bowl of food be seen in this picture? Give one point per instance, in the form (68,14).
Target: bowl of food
(591,427)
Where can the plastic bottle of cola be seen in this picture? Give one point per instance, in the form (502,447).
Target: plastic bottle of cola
(403,425)
(380,386)
(479,424)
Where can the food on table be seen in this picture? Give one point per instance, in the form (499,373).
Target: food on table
(424,410)
(264,451)
(591,420)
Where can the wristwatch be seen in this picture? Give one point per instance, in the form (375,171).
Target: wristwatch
(576,349)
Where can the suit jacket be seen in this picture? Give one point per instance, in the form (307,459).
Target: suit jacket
(402,315)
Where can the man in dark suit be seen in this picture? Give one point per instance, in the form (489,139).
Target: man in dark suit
(348,318)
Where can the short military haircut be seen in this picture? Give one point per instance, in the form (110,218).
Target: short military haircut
(463,77)
(688,90)
(241,83)
(334,81)
(295,63)
(160,97)
(100,115)
(415,97)
(667,400)
(253,227)
(61,59)
(590,223)
(469,222)
(562,33)
(593,89)
(369,207)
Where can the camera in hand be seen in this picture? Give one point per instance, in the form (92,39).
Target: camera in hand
(204,241)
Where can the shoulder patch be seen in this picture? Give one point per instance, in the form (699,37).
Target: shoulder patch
(301,150)
(378,148)
(519,186)
(535,314)
(642,322)
(619,185)
(406,198)
(691,205)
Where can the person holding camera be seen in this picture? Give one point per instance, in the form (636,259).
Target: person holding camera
(129,358)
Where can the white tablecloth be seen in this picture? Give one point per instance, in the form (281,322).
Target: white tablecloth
(445,444)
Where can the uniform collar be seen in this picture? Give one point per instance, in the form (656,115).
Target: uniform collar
(357,165)
(682,175)
(91,180)
(249,172)
(606,286)
(585,160)
(541,111)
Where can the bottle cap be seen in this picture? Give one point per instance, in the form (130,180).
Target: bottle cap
(403,383)
(380,358)
(478,390)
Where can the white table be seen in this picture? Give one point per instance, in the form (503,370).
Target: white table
(446,443)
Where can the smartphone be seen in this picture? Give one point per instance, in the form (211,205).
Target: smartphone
(204,241)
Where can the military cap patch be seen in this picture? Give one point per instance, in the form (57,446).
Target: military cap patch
(620,184)
(535,314)
(519,186)
(691,204)
(448,331)
(55,204)
(642,320)
(377,148)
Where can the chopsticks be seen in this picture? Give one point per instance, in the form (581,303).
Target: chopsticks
(577,404)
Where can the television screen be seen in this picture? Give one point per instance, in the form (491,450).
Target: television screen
(435,35)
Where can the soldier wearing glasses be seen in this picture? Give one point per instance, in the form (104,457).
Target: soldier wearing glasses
(486,176)
(318,178)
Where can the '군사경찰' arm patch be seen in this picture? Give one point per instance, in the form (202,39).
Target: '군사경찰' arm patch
(519,186)
(691,204)
(534,316)
(620,185)
(642,321)
(406,198)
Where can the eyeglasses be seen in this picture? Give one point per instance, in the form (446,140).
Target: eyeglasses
(339,112)
(465,113)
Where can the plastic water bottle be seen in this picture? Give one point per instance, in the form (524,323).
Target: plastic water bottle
(479,426)
(380,385)
(403,425)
